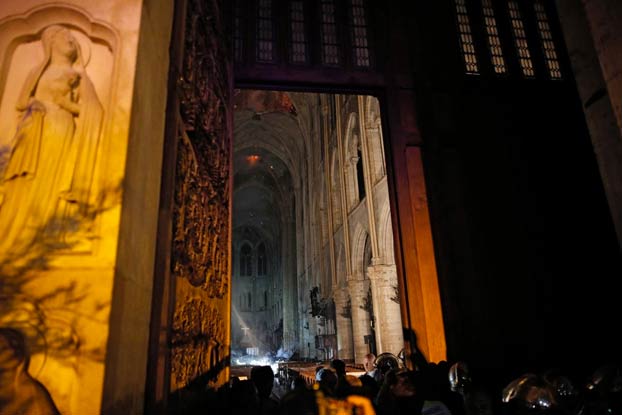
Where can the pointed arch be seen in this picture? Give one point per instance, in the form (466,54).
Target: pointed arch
(359,239)
(351,151)
(336,190)
(385,232)
(373,134)
(262,259)
(246,260)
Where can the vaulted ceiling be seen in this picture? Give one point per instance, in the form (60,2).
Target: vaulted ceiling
(269,156)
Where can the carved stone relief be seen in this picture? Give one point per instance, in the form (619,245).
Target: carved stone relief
(198,333)
(49,170)
(57,80)
(201,222)
(51,123)
(201,216)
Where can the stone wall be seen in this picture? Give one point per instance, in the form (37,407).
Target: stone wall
(81,158)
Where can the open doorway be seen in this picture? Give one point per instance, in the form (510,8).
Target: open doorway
(313,265)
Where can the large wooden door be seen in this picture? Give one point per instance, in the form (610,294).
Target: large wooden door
(189,347)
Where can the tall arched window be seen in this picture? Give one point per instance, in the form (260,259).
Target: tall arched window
(246,265)
(262,266)
(360,178)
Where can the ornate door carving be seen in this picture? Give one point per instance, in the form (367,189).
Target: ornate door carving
(191,312)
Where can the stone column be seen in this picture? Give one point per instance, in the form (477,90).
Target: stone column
(383,279)
(344,324)
(593,40)
(604,18)
(360,318)
(290,288)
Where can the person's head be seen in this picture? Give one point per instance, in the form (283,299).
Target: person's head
(13,351)
(339,366)
(299,383)
(529,394)
(244,395)
(400,383)
(328,380)
(263,377)
(368,362)
(369,386)
(478,401)
(459,377)
(387,361)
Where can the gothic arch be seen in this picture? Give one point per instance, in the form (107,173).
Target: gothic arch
(335,190)
(245,257)
(360,236)
(385,232)
(373,129)
(350,150)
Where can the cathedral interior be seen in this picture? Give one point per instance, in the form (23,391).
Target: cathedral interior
(313,268)
(190,186)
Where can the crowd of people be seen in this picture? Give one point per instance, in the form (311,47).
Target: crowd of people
(387,387)
(390,385)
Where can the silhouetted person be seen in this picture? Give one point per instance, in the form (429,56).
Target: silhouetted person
(529,394)
(328,381)
(263,377)
(343,387)
(475,398)
(604,390)
(20,393)
(412,356)
(243,398)
(299,401)
(436,392)
(385,362)
(339,366)
(398,393)
(298,383)
(369,387)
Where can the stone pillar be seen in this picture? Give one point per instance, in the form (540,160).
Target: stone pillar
(344,324)
(597,65)
(360,318)
(383,279)
(604,18)
(290,288)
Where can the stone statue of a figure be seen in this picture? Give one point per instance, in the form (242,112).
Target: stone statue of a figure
(48,176)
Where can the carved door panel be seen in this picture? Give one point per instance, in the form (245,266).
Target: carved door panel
(190,314)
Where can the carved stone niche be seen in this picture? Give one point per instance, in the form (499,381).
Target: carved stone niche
(58,195)
(57,84)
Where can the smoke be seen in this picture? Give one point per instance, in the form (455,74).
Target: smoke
(283,354)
